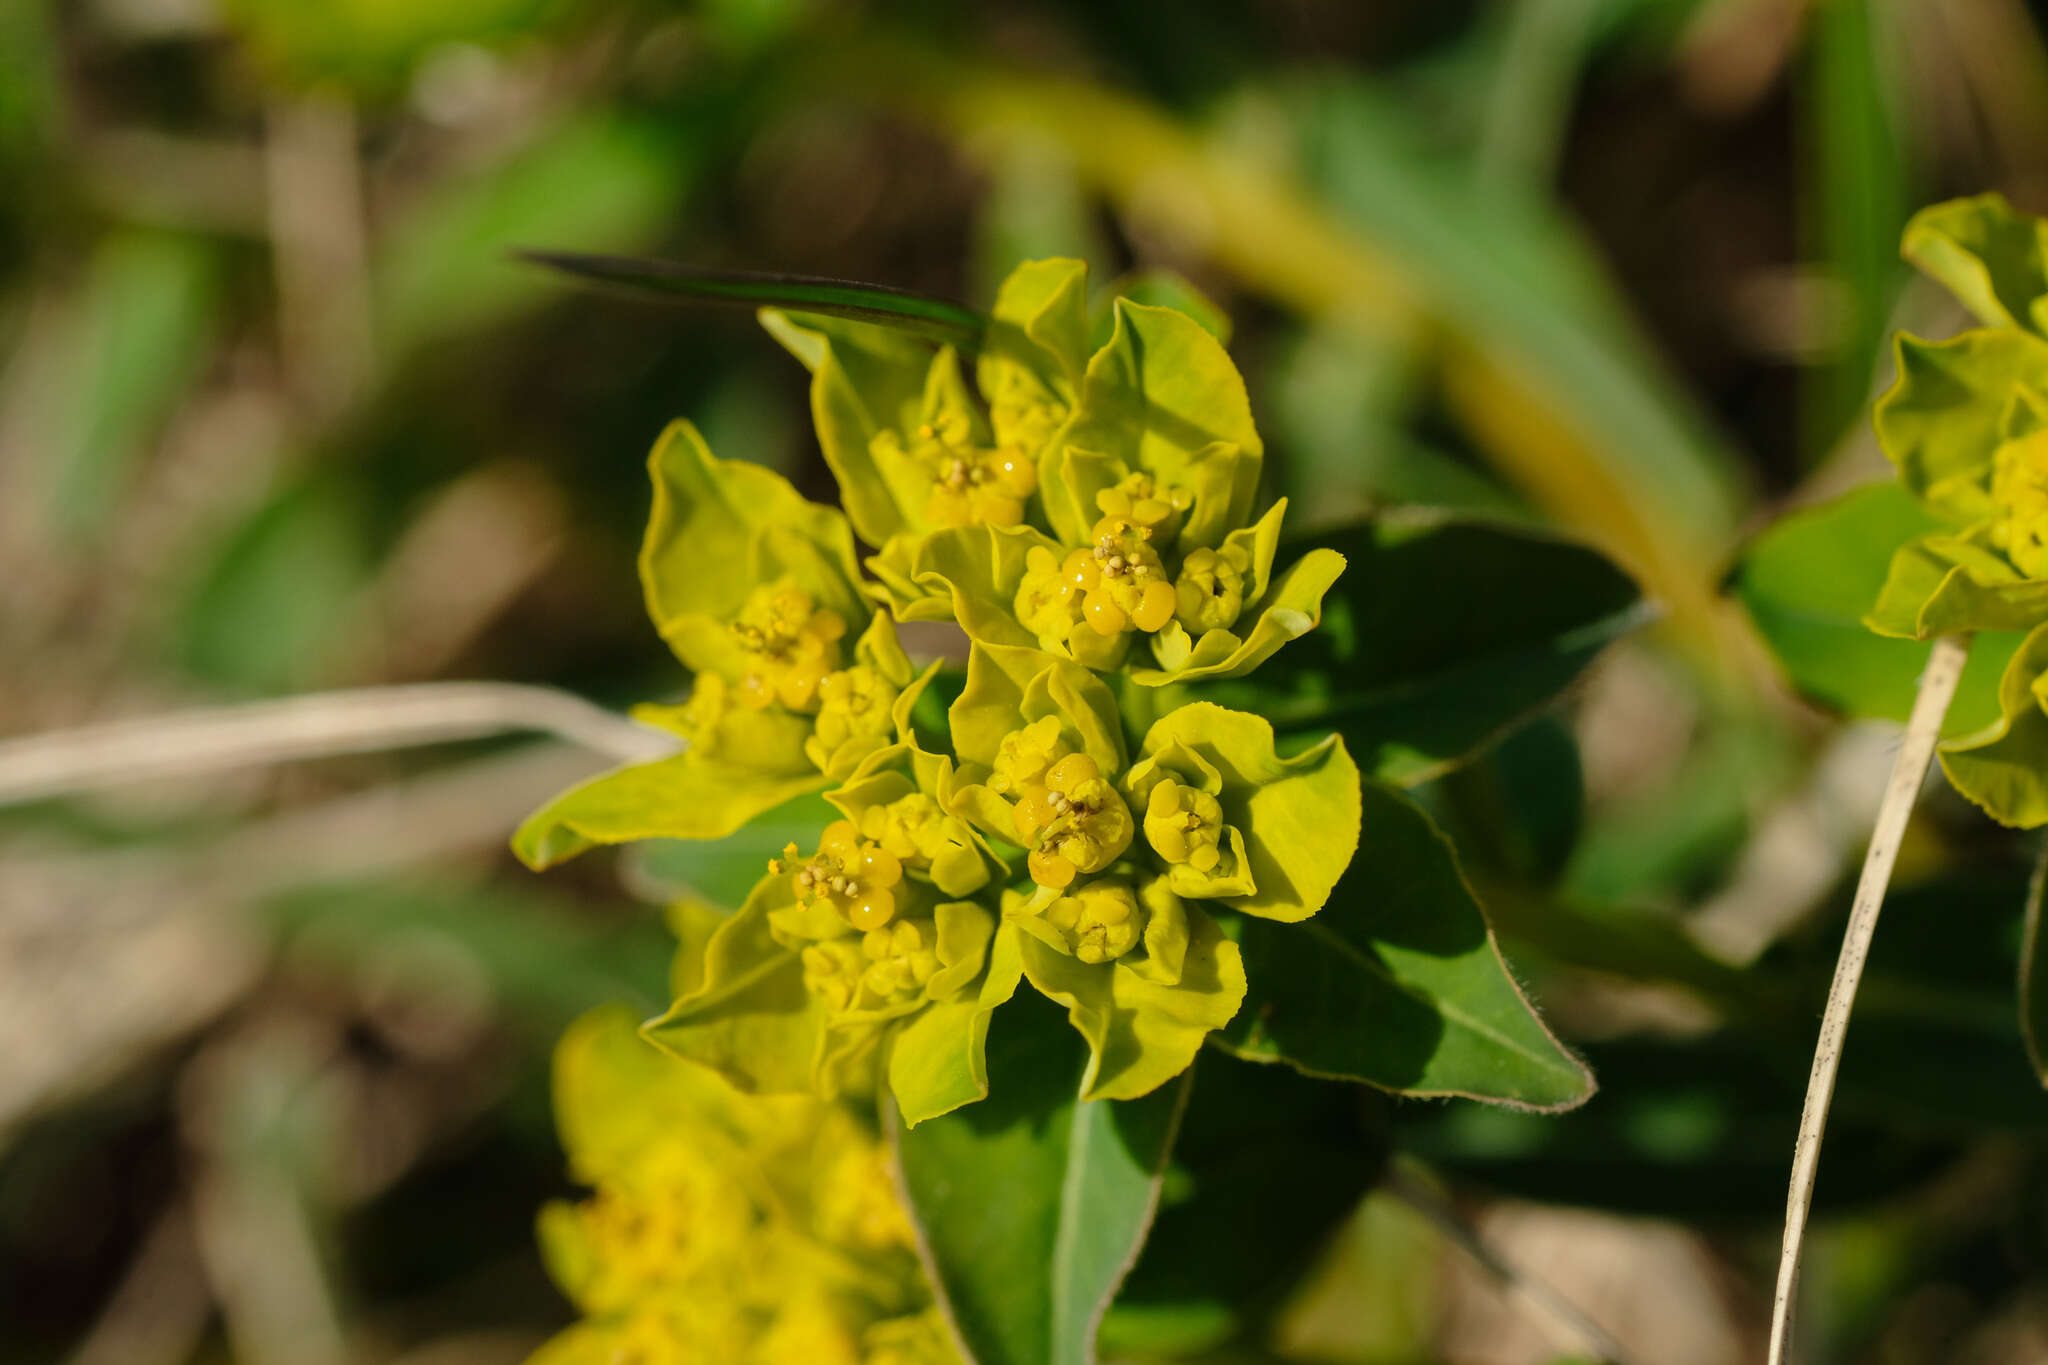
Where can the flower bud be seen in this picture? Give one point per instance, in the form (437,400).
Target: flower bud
(854,703)
(1100,921)
(1210,592)
(900,960)
(1184,825)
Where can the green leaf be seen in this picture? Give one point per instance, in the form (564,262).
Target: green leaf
(1142,1032)
(1989,256)
(721,528)
(1267,1165)
(1808,581)
(1032,1205)
(1943,418)
(1297,817)
(1398,982)
(1159,288)
(1417,680)
(2004,767)
(880,304)
(684,797)
(750,1019)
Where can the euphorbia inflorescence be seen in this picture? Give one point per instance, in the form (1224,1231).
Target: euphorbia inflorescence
(1081,499)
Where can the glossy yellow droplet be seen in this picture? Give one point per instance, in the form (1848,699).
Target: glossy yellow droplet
(1104,616)
(1050,869)
(1082,571)
(1033,813)
(1155,605)
(873,910)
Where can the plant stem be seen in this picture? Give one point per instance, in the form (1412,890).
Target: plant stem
(316,725)
(1923,728)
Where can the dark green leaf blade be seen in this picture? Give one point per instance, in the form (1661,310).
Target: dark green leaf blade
(1030,1206)
(1807,582)
(1398,982)
(2033,980)
(924,314)
(1444,633)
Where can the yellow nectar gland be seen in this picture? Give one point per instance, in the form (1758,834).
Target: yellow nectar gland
(857,879)
(790,645)
(1185,825)
(1100,922)
(1074,823)
(973,484)
(1122,584)
(2019,494)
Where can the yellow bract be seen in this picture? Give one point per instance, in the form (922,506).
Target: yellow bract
(2019,495)
(789,645)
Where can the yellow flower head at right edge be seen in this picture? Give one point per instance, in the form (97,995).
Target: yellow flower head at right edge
(1966,425)
(723,1227)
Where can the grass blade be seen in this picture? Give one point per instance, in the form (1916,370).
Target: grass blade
(938,318)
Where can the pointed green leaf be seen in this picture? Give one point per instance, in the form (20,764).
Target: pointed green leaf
(880,304)
(1989,256)
(1808,581)
(1032,1205)
(1398,982)
(1416,680)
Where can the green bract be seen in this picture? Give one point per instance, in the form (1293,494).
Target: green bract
(1966,422)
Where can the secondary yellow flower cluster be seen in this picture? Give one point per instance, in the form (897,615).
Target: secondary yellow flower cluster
(724,1229)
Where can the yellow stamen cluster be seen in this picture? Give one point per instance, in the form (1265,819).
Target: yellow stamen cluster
(857,879)
(790,646)
(854,703)
(1210,592)
(1185,825)
(1075,823)
(2019,494)
(1100,921)
(972,484)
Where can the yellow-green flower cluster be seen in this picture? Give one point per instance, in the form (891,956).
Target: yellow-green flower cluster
(1086,515)
(723,1227)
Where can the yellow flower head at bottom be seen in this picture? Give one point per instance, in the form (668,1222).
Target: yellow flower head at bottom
(855,878)
(1074,822)
(789,645)
(2019,495)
